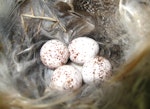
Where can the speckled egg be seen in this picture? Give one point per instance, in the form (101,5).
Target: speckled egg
(82,49)
(66,78)
(54,53)
(96,70)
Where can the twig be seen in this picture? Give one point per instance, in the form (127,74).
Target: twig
(40,17)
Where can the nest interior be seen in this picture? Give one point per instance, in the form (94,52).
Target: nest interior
(27,24)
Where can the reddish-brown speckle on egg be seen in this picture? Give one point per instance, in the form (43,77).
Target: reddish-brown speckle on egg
(66,78)
(96,70)
(54,54)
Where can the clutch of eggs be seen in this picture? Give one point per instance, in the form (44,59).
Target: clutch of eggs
(85,65)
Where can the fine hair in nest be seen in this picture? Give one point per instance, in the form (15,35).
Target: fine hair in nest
(121,27)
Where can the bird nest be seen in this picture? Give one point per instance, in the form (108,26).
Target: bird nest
(120,27)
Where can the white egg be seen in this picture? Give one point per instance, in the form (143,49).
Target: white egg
(66,78)
(82,49)
(96,70)
(54,53)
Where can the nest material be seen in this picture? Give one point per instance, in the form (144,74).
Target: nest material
(26,24)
